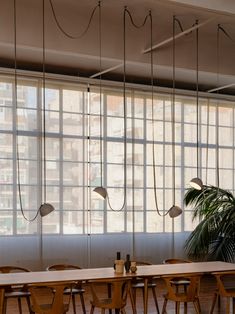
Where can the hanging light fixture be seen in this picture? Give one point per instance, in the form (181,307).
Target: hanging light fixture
(196,182)
(45,208)
(100,190)
(174,211)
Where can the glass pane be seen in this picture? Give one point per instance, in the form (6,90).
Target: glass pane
(6,222)
(73,222)
(72,100)
(72,124)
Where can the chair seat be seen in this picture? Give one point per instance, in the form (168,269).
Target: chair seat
(181,297)
(47,307)
(17,294)
(141,285)
(180,282)
(103,303)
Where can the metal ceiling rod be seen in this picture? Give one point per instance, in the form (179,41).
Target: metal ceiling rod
(107,70)
(220,88)
(166,41)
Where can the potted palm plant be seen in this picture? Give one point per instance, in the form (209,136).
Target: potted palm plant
(214,236)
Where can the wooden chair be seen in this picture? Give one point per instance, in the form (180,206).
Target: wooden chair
(138,283)
(15,291)
(55,294)
(225,288)
(120,288)
(190,294)
(76,290)
(179,281)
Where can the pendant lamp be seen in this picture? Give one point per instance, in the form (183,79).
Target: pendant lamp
(100,190)
(196,182)
(174,211)
(45,208)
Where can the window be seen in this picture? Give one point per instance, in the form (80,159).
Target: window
(73,157)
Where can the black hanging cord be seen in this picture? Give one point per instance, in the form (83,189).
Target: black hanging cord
(126,12)
(132,20)
(173,115)
(225,33)
(100,95)
(16,107)
(65,32)
(153,125)
(44,102)
(124,114)
(197,94)
(217,135)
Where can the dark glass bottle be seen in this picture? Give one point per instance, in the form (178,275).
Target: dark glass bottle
(127,263)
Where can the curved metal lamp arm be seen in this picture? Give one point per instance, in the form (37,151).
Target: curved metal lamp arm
(102,192)
(44,210)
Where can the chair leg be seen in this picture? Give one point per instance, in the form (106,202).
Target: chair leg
(29,305)
(197,309)
(92,309)
(83,303)
(4,306)
(74,303)
(164,306)
(177,308)
(228,305)
(134,295)
(185,308)
(155,299)
(213,303)
(133,299)
(19,305)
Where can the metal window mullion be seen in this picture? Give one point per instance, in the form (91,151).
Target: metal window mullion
(14,141)
(183,183)
(105,170)
(164,165)
(61,165)
(145,165)
(85,164)
(133,166)
(39,148)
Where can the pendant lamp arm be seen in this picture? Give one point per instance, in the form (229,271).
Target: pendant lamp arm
(197,95)
(44,101)
(217,130)
(124,115)
(16,107)
(153,125)
(173,114)
(100,94)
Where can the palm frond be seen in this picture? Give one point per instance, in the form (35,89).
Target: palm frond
(214,237)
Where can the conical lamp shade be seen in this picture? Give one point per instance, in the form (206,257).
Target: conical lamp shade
(175,211)
(196,183)
(101,191)
(45,209)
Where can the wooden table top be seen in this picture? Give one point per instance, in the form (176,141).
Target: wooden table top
(108,273)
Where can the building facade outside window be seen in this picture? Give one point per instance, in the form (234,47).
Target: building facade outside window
(73,156)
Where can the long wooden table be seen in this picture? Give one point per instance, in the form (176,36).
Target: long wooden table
(145,272)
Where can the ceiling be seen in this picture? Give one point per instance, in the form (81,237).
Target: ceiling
(81,57)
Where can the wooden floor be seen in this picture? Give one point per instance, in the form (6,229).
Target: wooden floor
(206,294)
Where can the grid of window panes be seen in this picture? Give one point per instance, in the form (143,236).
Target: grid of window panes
(79,126)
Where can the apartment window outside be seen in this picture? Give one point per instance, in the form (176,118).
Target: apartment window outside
(73,157)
